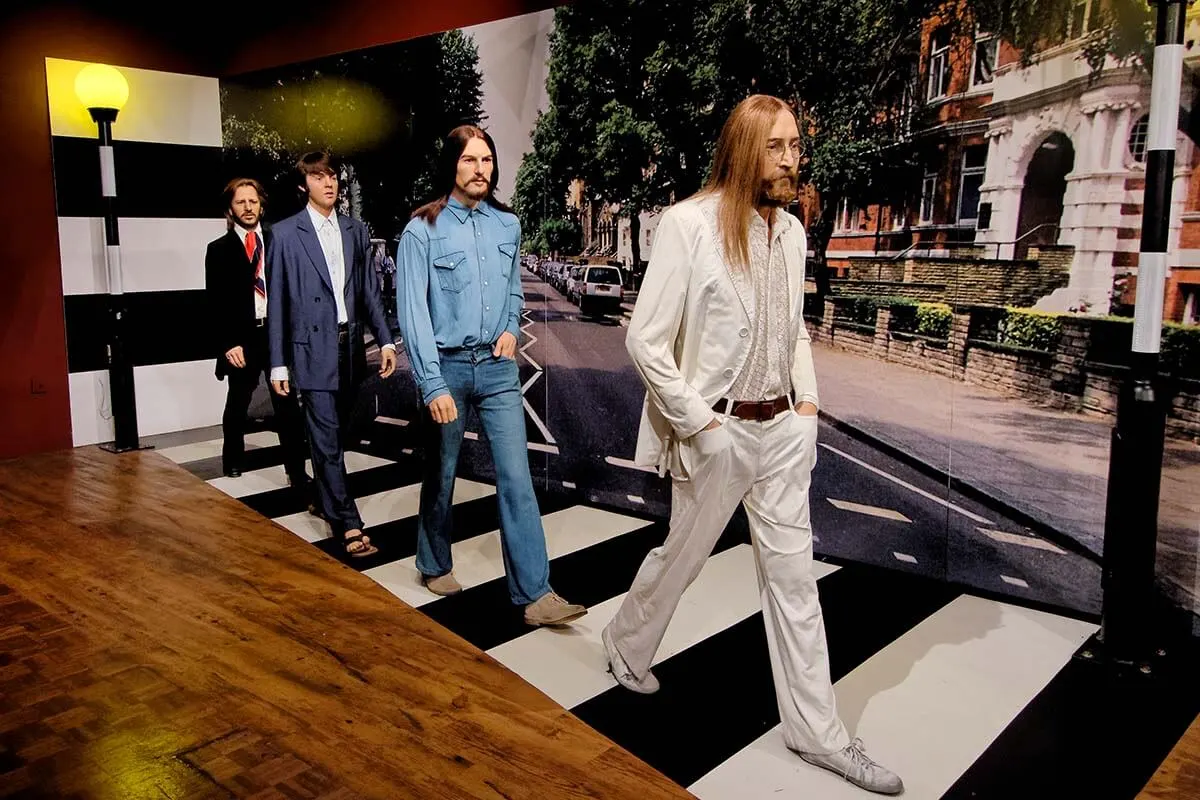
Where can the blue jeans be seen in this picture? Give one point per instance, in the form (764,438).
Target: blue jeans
(477,379)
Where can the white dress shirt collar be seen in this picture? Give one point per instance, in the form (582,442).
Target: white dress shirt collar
(318,219)
(241,232)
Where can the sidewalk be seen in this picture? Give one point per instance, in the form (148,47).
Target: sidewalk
(1050,466)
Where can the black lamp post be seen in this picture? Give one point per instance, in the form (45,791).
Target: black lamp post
(103,91)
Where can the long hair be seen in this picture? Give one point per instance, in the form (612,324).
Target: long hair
(446,176)
(737,170)
(231,189)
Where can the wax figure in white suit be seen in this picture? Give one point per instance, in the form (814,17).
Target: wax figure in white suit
(719,341)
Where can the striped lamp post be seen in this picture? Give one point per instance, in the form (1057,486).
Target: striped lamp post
(103,91)
(1135,465)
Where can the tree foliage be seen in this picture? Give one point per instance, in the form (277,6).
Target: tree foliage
(639,89)
(383,110)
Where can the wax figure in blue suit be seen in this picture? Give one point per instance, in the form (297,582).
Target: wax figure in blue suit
(324,293)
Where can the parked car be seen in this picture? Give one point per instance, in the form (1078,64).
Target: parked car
(600,291)
(574,281)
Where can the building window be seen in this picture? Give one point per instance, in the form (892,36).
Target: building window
(987,46)
(841,223)
(928,191)
(1137,139)
(1082,18)
(899,218)
(939,63)
(974,164)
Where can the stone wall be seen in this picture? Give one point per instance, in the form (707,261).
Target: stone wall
(969,281)
(1008,370)
(1062,378)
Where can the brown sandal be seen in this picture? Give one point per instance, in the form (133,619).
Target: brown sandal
(366,549)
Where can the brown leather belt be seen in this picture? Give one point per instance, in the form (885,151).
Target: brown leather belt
(759,411)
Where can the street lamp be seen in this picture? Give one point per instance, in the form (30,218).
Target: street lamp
(1135,467)
(103,91)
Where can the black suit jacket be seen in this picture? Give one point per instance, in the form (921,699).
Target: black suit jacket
(229,289)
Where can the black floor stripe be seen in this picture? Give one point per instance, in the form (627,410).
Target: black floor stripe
(485,616)
(397,539)
(281,502)
(718,697)
(1091,732)
(207,469)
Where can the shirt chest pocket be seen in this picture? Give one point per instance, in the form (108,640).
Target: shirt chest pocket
(507,251)
(451,270)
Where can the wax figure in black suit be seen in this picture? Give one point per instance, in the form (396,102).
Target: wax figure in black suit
(235,285)
(326,292)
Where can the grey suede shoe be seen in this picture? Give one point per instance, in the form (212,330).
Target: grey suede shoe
(852,763)
(620,670)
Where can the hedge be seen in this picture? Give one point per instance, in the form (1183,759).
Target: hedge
(933,320)
(1036,330)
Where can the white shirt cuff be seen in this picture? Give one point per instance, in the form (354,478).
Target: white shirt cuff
(279,373)
(389,346)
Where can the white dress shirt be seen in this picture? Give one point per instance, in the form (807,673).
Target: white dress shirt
(260,303)
(330,235)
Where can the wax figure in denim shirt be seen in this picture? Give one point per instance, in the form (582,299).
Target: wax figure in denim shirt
(718,339)
(459,299)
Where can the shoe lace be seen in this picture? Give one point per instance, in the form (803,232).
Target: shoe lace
(857,754)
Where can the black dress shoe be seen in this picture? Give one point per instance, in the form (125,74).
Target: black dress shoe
(233,473)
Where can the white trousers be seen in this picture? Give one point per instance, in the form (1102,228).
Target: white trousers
(768,467)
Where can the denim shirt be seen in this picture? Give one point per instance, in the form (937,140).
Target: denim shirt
(459,286)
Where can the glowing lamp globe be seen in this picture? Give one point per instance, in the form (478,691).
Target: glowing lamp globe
(99,86)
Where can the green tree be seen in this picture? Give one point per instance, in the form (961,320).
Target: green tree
(383,110)
(634,88)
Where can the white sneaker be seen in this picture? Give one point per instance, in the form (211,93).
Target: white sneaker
(852,763)
(621,670)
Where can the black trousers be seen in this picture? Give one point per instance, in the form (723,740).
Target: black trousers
(288,421)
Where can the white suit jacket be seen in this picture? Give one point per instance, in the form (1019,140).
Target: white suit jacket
(689,335)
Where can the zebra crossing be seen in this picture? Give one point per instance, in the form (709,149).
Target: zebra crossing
(929,677)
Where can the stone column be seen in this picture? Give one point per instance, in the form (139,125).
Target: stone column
(1067,375)
(883,322)
(960,326)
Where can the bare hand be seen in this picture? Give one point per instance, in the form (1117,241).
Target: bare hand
(237,357)
(387,363)
(716,423)
(806,409)
(281,388)
(443,409)
(506,346)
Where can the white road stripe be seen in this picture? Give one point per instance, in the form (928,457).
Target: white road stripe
(196,451)
(909,486)
(905,557)
(392,421)
(570,666)
(872,511)
(478,559)
(1014,581)
(377,509)
(627,464)
(272,478)
(1023,541)
(959,677)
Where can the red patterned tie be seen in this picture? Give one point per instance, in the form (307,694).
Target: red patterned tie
(254,254)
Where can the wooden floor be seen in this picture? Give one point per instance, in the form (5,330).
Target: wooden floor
(159,639)
(1179,776)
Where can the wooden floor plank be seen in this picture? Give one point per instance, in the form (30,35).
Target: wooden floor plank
(158,636)
(1179,776)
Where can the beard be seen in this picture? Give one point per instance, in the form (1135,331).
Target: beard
(476,191)
(779,190)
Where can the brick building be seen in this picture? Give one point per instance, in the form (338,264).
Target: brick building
(1015,158)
